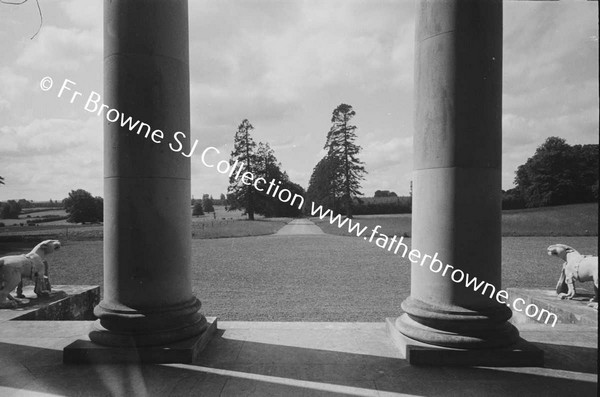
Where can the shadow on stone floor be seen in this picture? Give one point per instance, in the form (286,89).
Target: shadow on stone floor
(237,367)
(570,358)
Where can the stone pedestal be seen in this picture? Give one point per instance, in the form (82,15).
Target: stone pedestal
(457,178)
(148,299)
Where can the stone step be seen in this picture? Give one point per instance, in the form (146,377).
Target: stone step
(571,311)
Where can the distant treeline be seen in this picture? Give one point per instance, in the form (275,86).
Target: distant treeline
(382,205)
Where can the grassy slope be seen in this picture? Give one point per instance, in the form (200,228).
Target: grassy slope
(567,220)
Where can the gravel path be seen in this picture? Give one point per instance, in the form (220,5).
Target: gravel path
(299,227)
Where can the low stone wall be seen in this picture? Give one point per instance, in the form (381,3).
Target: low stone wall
(67,302)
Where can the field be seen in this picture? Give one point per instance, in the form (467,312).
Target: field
(32,214)
(219,224)
(309,278)
(567,220)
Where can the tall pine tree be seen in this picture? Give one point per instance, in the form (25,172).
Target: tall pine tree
(244,151)
(342,152)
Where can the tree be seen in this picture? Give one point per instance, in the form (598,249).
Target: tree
(197,209)
(207,204)
(586,161)
(242,196)
(325,185)
(512,199)
(385,193)
(285,209)
(25,204)
(10,210)
(269,168)
(99,205)
(83,207)
(558,174)
(341,147)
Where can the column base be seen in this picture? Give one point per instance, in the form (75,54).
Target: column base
(183,352)
(520,354)
(456,326)
(122,326)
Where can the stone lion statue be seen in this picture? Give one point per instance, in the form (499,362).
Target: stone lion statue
(33,266)
(575,267)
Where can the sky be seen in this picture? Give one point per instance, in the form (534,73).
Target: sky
(284,65)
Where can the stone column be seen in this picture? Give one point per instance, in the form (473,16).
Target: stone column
(148,298)
(457,178)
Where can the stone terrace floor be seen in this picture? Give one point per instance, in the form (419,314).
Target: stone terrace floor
(291,359)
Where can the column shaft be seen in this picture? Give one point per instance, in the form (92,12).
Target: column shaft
(457,176)
(147,280)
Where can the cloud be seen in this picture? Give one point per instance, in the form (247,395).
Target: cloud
(13,86)
(550,79)
(285,65)
(61,49)
(48,157)
(395,178)
(47,137)
(381,153)
(85,14)
(268,61)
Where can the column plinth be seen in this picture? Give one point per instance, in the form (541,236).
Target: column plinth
(456,215)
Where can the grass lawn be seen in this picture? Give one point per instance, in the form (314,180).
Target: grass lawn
(235,228)
(63,232)
(566,220)
(311,278)
(308,278)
